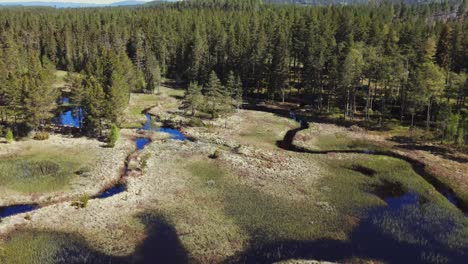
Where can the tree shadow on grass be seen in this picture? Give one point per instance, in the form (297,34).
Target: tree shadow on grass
(161,245)
(370,241)
(437,151)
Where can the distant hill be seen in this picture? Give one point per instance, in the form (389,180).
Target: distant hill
(128,3)
(71,4)
(328,2)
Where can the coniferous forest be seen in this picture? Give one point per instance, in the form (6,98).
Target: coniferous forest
(234,131)
(386,62)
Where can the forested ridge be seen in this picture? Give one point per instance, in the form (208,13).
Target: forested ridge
(383,62)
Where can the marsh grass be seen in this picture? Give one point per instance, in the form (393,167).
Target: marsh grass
(339,141)
(343,206)
(35,171)
(27,247)
(353,186)
(264,129)
(265,217)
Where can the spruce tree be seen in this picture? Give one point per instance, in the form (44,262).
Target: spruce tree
(193,98)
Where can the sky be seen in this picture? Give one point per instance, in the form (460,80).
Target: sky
(70,1)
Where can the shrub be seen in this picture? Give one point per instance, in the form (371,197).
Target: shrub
(113,136)
(41,136)
(195,122)
(144,161)
(82,201)
(9,136)
(216,154)
(27,217)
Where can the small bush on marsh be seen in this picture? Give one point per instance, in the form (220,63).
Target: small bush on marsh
(41,136)
(113,136)
(82,201)
(216,154)
(9,136)
(195,122)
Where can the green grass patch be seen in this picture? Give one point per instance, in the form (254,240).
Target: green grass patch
(45,171)
(172,92)
(349,185)
(141,102)
(206,170)
(339,141)
(27,247)
(264,217)
(264,130)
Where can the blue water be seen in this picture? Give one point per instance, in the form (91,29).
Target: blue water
(409,198)
(72,117)
(112,191)
(16,209)
(174,133)
(141,143)
(64,100)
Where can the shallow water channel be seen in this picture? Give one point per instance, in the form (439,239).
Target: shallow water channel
(71,119)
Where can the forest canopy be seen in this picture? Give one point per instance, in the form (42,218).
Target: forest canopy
(386,61)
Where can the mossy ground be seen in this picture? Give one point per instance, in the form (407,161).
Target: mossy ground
(42,169)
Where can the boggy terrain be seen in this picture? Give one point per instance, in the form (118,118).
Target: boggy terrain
(234,194)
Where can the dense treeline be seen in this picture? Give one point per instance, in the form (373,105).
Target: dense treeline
(384,62)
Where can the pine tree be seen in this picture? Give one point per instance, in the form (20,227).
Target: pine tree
(39,95)
(216,95)
(193,98)
(279,68)
(94,105)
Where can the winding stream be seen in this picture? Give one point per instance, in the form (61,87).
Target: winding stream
(409,229)
(140,144)
(69,119)
(418,167)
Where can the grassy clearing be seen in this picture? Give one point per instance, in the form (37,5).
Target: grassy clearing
(133,117)
(339,142)
(138,103)
(266,218)
(263,129)
(353,186)
(60,79)
(42,170)
(178,93)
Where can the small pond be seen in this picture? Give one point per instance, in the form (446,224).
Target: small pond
(69,116)
(174,133)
